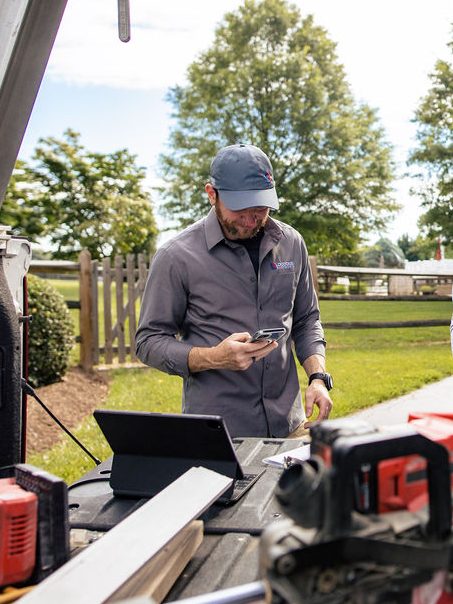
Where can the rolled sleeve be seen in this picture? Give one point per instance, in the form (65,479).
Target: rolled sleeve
(161,319)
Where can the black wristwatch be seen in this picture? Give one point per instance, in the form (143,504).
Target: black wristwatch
(325,377)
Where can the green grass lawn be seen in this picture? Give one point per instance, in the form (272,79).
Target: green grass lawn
(369,366)
(138,389)
(367,377)
(392,310)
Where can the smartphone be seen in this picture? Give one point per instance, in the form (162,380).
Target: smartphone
(271,334)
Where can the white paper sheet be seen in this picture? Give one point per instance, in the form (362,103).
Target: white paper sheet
(282,459)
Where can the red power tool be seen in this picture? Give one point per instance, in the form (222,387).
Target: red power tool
(351,535)
(18,526)
(402,481)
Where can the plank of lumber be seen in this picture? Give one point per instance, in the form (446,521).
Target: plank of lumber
(156,578)
(101,569)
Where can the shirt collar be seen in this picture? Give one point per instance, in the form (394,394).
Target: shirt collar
(214,233)
(213,230)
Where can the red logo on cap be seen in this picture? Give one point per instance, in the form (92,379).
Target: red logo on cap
(268,177)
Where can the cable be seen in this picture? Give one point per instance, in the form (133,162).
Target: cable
(7,471)
(74,485)
(29,390)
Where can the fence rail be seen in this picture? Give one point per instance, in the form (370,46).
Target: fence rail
(110,292)
(388,324)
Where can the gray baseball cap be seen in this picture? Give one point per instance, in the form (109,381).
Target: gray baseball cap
(244,178)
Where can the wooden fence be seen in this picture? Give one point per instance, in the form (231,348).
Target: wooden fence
(110,293)
(122,287)
(109,296)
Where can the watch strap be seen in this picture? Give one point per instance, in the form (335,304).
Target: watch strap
(325,377)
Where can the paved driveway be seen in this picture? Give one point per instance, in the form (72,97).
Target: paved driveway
(433,397)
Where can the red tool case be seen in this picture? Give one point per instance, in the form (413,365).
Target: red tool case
(18,526)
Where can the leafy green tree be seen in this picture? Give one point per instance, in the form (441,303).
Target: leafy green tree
(272,78)
(420,248)
(434,152)
(18,210)
(83,200)
(384,253)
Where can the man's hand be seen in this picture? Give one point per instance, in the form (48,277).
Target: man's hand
(235,353)
(317,394)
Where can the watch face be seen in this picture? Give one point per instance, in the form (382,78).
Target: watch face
(328,381)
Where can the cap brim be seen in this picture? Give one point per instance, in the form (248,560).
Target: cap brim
(241,200)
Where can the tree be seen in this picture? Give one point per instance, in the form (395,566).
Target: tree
(420,248)
(273,79)
(383,253)
(18,211)
(83,200)
(434,153)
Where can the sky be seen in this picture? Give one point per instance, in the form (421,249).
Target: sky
(114,94)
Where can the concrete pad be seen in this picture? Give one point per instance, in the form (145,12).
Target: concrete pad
(436,397)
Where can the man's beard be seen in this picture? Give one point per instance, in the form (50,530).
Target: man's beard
(232,231)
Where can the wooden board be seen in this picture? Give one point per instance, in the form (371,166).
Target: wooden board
(101,569)
(156,578)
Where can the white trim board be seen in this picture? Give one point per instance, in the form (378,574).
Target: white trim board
(103,567)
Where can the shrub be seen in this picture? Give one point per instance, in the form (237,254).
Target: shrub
(427,290)
(322,285)
(51,333)
(358,287)
(338,288)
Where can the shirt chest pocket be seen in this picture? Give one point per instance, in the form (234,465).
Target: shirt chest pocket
(282,289)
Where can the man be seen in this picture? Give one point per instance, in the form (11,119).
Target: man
(212,286)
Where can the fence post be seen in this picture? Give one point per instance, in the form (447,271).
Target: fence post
(86,331)
(130,276)
(95,310)
(119,278)
(314,272)
(142,273)
(107,284)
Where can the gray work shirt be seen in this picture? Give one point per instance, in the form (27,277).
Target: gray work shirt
(202,288)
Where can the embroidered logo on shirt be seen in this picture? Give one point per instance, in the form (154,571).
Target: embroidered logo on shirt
(288,265)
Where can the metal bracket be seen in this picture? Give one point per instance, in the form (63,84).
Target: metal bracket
(16,252)
(124,20)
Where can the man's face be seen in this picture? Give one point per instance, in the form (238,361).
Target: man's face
(240,224)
